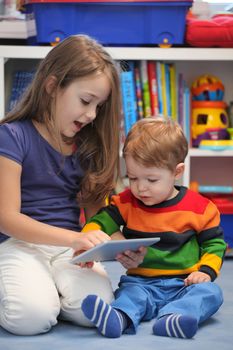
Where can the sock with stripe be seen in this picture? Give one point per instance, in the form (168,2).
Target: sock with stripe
(109,321)
(175,325)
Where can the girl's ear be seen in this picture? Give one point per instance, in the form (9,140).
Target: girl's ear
(179,171)
(50,85)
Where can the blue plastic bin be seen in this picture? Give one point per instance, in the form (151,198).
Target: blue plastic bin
(227,225)
(111,23)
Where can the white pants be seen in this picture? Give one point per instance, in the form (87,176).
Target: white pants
(36,287)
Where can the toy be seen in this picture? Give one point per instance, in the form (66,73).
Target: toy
(207,88)
(209,121)
(216,145)
(194,186)
(216,31)
(230,131)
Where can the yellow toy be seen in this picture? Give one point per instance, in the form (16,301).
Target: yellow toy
(218,145)
(209,121)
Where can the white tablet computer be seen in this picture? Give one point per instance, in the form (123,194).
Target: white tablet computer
(108,250)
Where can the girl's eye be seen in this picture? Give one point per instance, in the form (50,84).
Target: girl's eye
(132,179)
(84,102)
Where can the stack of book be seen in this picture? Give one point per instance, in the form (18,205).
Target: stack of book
(149,88)
(21,81)
(152,88)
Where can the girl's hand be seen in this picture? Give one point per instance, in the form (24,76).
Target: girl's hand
(87,265)
(130,259)
(197,277)
(88,240)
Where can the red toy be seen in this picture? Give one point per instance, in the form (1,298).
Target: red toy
(214,32)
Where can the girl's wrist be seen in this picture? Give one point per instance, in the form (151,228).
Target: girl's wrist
(71,239)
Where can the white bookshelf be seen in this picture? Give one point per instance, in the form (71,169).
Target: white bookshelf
(207,167)
(131,53)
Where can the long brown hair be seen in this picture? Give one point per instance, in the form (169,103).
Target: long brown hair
(97,143)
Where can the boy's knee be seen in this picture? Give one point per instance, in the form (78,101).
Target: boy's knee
(27,318)
(211,292)
(218,294)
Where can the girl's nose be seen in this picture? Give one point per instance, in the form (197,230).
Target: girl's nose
(91,114)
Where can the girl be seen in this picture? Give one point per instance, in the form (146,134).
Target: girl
(54,145)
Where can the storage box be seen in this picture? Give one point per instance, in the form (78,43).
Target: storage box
(227,225)
(224,203)
(111,23)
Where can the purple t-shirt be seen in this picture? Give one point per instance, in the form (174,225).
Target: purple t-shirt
(49,181)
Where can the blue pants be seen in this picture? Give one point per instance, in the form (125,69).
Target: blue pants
(143,299)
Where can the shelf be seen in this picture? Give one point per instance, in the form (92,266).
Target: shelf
(16,29)
(130,53)
(196,152)
(190,61)
(174,54)
(25,52)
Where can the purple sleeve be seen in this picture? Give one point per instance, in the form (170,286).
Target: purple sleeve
(12,142)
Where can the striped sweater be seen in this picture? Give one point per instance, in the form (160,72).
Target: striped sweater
(188,226)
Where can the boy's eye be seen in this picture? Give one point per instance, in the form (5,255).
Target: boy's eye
(152,180)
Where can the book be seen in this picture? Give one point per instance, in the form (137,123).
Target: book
(180,99)
(122,134)
(145,88)
(167,89)
(128,99)
(21,81)
(159,86)
(138,88)
(163,89)
(151,68)
(187,113)
(173,91)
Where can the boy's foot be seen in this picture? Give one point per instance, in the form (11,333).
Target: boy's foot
(175,325)
(107,320)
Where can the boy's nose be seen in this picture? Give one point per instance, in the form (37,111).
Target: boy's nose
(141,187)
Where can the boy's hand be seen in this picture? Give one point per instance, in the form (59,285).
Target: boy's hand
(197,277)
(130,259)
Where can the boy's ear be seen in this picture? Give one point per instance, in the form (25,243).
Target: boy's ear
(179,171)
(50,84)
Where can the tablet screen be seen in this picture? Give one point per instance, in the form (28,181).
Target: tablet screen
(108,250)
